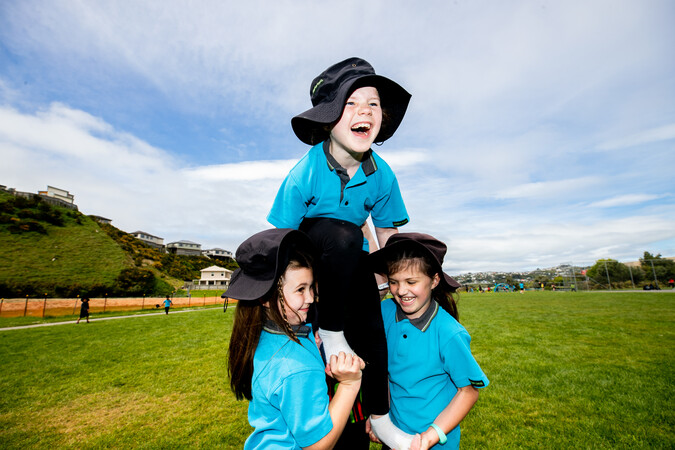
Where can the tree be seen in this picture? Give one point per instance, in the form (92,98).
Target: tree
(609,268)
(661,268)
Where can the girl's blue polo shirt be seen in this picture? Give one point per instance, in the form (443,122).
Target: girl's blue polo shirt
(428,361)
(289,408)
(313,189)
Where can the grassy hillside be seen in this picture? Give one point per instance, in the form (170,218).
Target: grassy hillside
(60,252)
(38,255)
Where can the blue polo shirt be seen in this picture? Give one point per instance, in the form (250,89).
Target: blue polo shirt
(318,187)
(289,408)
(428,360)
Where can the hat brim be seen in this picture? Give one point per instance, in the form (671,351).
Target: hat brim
(378,260)
(312,126)
(245,286)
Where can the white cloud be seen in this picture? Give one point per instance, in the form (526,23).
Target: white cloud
(550,189)
(625,200)
(244,171)
(663,133)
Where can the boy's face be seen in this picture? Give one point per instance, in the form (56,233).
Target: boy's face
(360,122)
(411,289)
(298,288)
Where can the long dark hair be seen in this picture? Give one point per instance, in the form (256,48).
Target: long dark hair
(249,320)
(444,295)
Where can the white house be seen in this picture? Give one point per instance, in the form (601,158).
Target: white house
(152,241)
(60,194)
(213,277)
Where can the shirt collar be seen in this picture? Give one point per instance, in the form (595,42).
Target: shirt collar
(368,164)
(299,330)
(423,321)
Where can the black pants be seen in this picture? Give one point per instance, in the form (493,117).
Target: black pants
(349,301)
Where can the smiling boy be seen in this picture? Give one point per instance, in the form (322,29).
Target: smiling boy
(329,194)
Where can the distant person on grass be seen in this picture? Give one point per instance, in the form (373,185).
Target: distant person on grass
(167,304)
(433,377)
(84,310)
(274,361)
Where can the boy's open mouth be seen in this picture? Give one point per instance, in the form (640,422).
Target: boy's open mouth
(361,129)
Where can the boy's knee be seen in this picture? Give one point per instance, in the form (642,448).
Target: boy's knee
(335,235)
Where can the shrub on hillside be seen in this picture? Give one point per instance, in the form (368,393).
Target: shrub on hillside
(135,281)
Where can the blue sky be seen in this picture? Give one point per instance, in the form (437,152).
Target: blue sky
(539,132)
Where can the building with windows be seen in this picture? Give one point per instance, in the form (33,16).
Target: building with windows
(184,248)
(212,278)
(218,253)
(152,241)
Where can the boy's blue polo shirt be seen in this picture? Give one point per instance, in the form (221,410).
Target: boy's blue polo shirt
(289,408)
(313,189)
(426,366)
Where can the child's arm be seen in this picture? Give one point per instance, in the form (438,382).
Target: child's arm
(383,234)
(450,417)
(346,369)
(373,247)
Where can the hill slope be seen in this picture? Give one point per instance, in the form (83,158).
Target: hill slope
(60,252)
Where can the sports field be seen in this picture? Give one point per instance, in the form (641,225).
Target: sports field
(589,370)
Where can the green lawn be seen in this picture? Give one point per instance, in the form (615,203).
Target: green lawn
(590,370)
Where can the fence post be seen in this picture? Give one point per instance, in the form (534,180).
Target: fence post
(105,302)
(143,304)
(44,306)
(631,277)
(1,302)
(654,272)
(25,308)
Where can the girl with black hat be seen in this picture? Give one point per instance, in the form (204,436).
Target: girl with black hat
(330,194)
(273,358)
(433,377)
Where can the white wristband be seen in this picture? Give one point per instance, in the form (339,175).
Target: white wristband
(383,286)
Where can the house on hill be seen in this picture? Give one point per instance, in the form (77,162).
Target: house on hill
(212,278)
(152,241)
(184,248)
(60,197)
(218,253)
(101,219)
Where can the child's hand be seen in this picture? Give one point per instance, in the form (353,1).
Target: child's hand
(416,443)
(421,442)
(371,434)
(346,368)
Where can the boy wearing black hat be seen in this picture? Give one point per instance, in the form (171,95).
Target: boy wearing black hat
(331,192)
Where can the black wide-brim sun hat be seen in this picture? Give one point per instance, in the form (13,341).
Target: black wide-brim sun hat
(262,259)
(418,242)
(330,90)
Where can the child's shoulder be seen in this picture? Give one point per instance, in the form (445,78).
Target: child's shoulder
(447,324)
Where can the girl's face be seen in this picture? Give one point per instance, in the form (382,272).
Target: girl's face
(411,289)
(298,289)
(360,122)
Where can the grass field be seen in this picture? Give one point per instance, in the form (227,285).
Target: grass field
(582,370)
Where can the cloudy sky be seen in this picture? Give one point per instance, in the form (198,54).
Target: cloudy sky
(539,132)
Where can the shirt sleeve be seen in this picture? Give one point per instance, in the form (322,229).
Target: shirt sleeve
(303,403)
(460,364)
(290,205)
(389,211)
